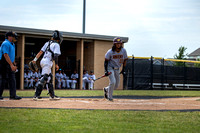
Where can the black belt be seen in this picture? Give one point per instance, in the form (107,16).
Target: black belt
(115,68)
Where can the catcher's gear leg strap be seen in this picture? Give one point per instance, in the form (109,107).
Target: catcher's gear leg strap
(50,86)
(51,78)
(38,90)
(51,91)
(41,84)
(44,79)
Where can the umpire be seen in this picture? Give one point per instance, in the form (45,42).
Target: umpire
(8,65)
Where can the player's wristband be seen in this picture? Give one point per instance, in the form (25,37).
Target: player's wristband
(35,59)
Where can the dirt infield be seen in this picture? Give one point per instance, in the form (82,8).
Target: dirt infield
(100,103)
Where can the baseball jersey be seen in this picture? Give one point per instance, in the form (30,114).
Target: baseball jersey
(39,74)
(116,59)
(26,75)
(61,76)
(92,77)
(35,75)
(65,76)
(54,47)
(85,75)
(74,76)
(58,76)
(29,74)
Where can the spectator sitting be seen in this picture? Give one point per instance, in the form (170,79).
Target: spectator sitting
(91,80)
(64,79)
(26,79)
(73,80)
(85,79)
(59,78)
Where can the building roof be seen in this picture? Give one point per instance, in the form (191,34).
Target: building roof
(195,53)
(72,35)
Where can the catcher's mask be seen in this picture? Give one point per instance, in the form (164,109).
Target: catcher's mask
(57,35)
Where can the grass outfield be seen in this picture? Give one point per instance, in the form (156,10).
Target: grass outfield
(68,93)
(61,120)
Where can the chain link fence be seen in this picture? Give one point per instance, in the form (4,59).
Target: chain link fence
(159,73)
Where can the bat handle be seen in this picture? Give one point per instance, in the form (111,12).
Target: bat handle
(109,73)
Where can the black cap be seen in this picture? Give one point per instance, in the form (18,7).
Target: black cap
(9,33)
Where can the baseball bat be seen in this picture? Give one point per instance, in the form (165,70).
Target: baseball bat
(102,76)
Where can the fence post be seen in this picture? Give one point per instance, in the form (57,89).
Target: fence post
(185,71)
(133,62)
(162,73)
(151,69)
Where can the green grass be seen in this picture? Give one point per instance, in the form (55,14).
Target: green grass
(68,93)
(60,120)
(65,120)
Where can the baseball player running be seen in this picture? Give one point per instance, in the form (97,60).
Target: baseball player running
(114,58)
(51,50)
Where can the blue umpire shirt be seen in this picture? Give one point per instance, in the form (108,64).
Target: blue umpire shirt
(8,48)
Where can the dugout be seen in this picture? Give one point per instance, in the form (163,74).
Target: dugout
(79,51)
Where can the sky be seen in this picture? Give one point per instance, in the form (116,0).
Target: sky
(154,27)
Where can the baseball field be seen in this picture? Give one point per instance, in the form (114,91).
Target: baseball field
(146,111)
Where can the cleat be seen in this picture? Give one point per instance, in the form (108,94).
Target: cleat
(37,98)
(105,93)
(54,98)
(109,99)
(15,98)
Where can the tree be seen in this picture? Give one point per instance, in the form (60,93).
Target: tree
(181,55)
(197,64)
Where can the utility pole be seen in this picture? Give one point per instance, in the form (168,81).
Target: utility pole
(84,8)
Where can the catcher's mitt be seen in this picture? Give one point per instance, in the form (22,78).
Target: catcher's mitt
(33,66)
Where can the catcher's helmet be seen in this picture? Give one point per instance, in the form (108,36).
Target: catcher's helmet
(57,35)
(117,40)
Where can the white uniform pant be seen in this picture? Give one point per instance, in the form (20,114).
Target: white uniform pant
(85,80)
(114,78)
(59,83)
(68,81)
(26,82)
(73,83)
(31,82)
(63,83)
(46,65)
(91,83)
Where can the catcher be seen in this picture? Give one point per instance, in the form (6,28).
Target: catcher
(51,50)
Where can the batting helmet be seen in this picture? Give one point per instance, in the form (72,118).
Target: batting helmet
(117,40)
(57,35)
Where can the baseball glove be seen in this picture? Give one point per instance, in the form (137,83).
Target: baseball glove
(33,66)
